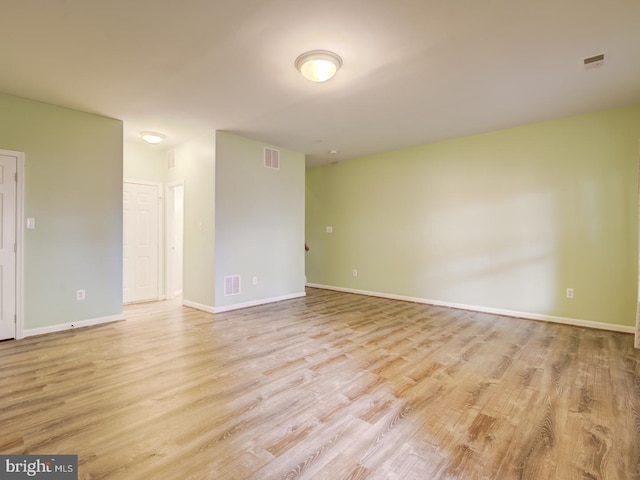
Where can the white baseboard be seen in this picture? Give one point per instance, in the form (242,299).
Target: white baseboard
(197,306)
(237,306)
(495,311)
(30,332)
(255,303)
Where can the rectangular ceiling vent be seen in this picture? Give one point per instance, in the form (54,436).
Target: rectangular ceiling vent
(272,158)
(232,285)
(171,159)
(594,62)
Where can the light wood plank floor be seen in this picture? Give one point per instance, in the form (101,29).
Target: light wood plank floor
(331,386)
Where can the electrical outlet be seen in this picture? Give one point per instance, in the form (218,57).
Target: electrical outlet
(329,229)
(255,280)
(80,295)
(569,292)
(355,272)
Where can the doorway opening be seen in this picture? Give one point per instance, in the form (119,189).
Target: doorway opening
(174,207)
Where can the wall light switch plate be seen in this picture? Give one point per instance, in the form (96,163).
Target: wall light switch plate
(329,230)
(31,223)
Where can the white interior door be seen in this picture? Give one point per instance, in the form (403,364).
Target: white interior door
(8,186)
(141,242)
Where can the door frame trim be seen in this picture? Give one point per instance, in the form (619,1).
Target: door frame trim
(160,278)
(636,342)
(19,280)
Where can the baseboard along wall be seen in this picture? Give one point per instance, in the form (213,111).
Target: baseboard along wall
(495,311)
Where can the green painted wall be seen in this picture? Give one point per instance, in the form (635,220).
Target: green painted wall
(504,220)
(73,188)
(196,164)
(259,221)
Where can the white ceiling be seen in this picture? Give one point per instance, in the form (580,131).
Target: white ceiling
(415,71)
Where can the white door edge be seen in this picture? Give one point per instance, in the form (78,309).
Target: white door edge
(19,326)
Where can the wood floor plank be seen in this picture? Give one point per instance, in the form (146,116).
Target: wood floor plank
(330,386)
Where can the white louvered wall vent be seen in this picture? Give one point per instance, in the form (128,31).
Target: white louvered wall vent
(171,159)
(232,285)
(272,158)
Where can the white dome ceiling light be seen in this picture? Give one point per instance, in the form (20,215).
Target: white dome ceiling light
(152,137)
(318,65)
